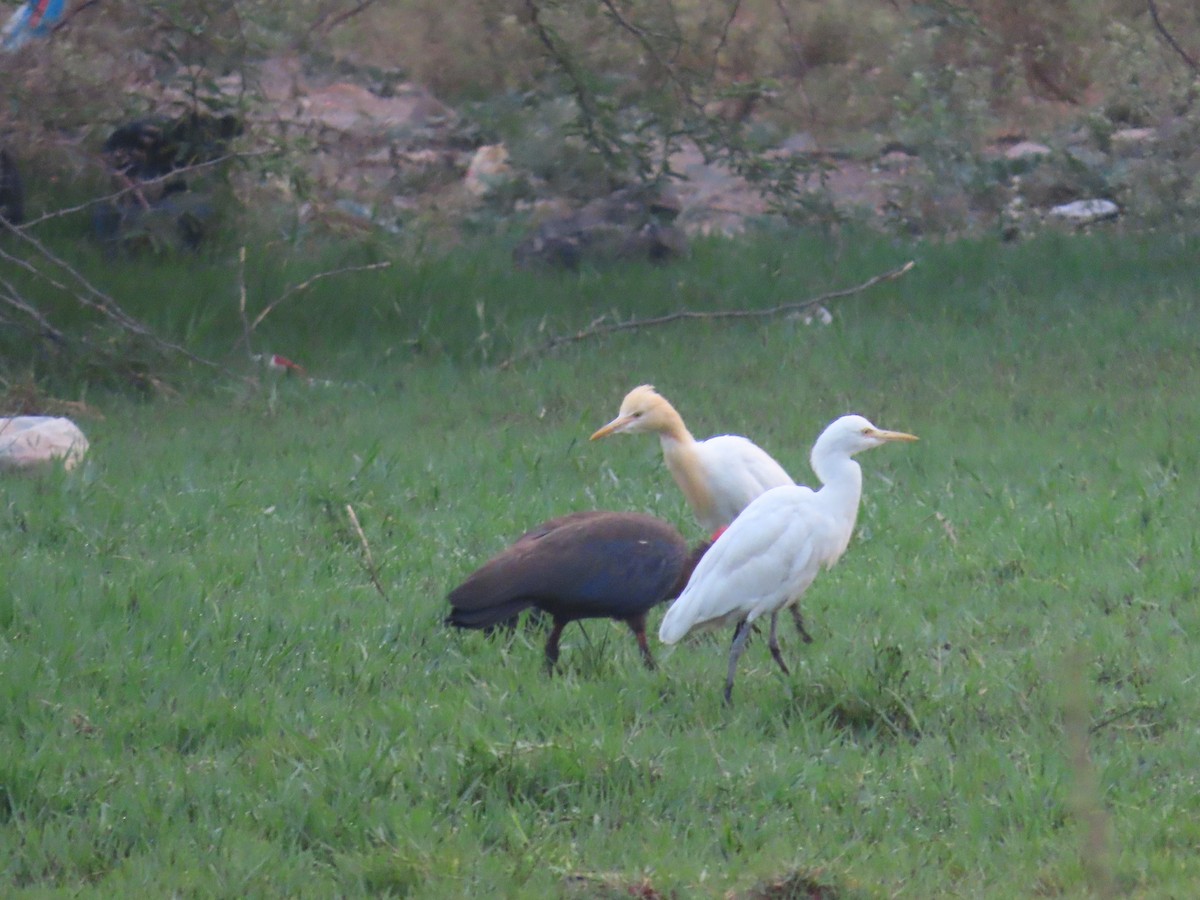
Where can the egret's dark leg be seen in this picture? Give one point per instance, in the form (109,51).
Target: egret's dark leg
(773,643)
(735,651)
(799,620)
(552,644)
(638,626)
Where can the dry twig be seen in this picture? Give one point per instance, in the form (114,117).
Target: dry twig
(91,297)
(10,297)
(85,293)
(599,328)
(242,296)
(368,561)
(328,20)
(1167,36)
(248,326)
(72,13)
(137,186)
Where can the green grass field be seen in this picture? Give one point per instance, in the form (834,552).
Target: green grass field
(203,694)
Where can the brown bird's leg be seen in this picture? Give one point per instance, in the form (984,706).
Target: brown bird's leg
(552,645)
(773,643)
(638,625)
(735,651)
(799,620)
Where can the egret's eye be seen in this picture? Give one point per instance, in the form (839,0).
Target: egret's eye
(638,414)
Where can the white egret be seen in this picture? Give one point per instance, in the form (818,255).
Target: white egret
(772,552)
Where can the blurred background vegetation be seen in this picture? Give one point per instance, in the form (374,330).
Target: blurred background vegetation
(590,95)
(854,74)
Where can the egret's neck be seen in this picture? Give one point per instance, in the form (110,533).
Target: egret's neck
(841,491)
(683,461)
(669,425)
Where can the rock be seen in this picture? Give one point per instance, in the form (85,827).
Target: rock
(178,220)
(1133,142)
(713,199)
(146,149)
(1061,180)
(631,223)
(351,108)
(1086,212)
(355,210)
(799,143)
(28,441)
(818,315)
(896,161)
(1027,150)
(488,170)
(280,80)
(158,209)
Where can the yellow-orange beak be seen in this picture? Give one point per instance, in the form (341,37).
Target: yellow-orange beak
(880,434)
(615,425)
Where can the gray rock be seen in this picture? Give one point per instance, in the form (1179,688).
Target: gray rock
(1134,142)
(1086,212)
(632,223)
(1027,150)
(1088,158)
(800,142)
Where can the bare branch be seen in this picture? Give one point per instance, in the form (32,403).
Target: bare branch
(589,112)
(1166,35)
(91,297)
(801,62)
(682,88)
(136,186)
(242,297)
(734,9)
(599,329)
(248,327)
(71,14)
(11,297)
(328,21)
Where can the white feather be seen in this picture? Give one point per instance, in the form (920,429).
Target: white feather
(767,558)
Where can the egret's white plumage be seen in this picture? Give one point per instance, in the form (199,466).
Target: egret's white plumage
(772,552)
(719,476)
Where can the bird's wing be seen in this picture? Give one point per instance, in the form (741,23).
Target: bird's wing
(616,577)
(611,564)
(766,559)
(570,519)
(738,471)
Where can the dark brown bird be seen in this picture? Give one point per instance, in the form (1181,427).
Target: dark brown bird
(586,565)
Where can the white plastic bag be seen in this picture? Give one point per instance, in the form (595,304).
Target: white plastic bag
(31,440)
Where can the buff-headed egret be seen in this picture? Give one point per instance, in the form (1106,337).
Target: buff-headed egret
(586,565)
(772,552)
(718,476)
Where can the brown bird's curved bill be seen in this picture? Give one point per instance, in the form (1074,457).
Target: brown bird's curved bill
(615,425)
(882,435)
